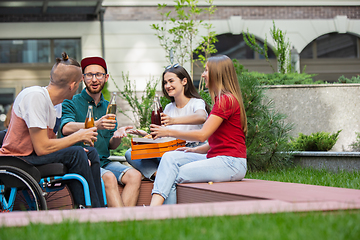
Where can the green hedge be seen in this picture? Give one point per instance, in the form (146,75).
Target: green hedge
(320,141)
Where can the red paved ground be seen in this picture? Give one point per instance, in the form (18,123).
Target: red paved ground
(270,197)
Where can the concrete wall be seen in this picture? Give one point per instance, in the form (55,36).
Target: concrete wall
(332,161)
(315,108)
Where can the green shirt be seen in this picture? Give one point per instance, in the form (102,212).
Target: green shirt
(75,110)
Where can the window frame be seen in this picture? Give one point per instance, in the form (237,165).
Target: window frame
(40,64)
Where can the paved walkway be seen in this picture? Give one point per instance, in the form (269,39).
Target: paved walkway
(272,197)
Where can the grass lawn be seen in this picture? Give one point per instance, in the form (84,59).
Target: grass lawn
(308,225)
(341,179)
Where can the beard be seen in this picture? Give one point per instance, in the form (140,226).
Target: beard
(90,90)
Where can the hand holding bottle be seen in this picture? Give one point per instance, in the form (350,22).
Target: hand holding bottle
(111,108)
(166,119)
(89,123)
(155,114)
(106,122)
(159,131)
(88,136)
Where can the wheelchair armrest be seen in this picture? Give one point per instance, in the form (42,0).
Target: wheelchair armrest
(37,172)
(52,169)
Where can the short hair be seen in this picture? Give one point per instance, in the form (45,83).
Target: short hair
(65,60)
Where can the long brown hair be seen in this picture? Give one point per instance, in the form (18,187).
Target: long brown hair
(189,88)
(222,80)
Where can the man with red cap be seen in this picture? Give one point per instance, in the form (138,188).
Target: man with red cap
(109,136)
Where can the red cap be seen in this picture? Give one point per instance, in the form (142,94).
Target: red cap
(93,60)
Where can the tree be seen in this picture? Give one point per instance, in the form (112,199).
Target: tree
(207,47)
(268,133)
(179,30)
(139,107)
(281,48)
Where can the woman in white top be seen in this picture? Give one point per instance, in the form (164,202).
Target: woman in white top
(187,111)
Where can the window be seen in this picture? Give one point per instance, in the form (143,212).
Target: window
(332,45)
(235,47)
(70,46)
(23,51)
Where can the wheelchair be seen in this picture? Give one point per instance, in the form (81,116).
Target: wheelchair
(24,186)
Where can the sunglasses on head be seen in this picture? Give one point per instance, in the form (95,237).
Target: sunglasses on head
(172,66)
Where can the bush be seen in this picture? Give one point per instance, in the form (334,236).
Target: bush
(268,134)
(294,78)
(283,78)
(355,146)
(164,101)
(122,148)
(140,107)
(204,94)
(343,79)
(105,92)
(320,141)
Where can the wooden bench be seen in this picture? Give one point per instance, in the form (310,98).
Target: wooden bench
(198,193)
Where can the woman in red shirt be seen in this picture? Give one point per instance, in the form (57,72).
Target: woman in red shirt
(224,157)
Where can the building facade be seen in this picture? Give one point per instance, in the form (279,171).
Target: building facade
(325,33)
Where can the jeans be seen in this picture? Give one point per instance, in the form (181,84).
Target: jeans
(186,167)
(116,168)
(146,166)
(76,161)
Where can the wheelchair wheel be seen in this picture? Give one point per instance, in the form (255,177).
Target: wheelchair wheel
(19,191)
(59,197)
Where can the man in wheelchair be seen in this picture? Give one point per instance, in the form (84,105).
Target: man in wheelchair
(31,134)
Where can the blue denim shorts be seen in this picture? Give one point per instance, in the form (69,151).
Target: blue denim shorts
(194,144)
(116,168)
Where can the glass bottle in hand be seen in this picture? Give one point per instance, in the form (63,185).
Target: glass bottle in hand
(111,108)
(159,104)
(89,121)
(155,114)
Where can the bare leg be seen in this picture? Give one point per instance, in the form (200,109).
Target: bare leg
(132,182)
(156,200)
(112,191)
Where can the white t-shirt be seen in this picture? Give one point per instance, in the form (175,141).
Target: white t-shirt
(32,108)
(35,107)
(190,108)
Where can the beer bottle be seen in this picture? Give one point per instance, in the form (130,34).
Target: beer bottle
(89,120)
(111,108)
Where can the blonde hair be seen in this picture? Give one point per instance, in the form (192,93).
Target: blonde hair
(223,80)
